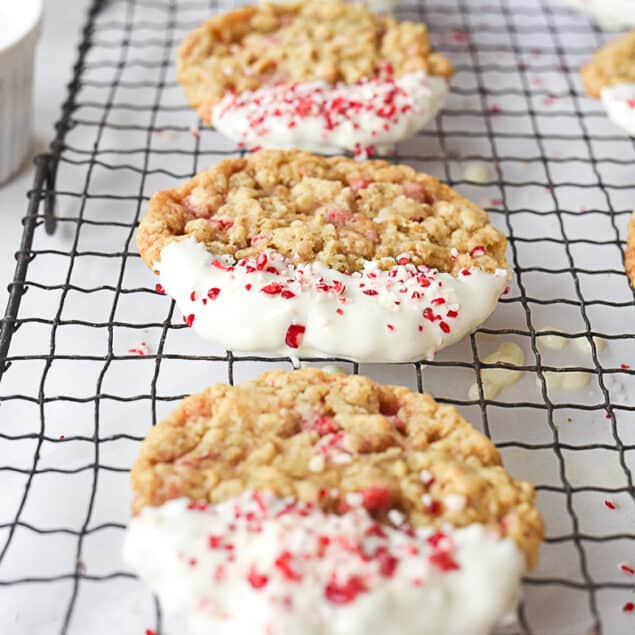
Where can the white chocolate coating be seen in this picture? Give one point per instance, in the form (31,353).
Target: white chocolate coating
(257,565)
(609,14)
(403,314)
(619,103)
(362,118)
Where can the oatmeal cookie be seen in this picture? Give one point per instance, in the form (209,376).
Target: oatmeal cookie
(321,75)
(336,441)
(329,246)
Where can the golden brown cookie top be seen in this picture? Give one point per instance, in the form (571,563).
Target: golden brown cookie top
(337,211)
(613,64)
(320,437)
(326,40)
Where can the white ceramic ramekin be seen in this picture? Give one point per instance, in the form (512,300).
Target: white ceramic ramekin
(20,26)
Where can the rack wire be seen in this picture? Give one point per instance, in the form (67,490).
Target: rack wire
(76,398)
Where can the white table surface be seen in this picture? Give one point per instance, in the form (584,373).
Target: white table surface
(63,19)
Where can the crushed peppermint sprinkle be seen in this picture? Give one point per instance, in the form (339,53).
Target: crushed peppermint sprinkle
(140,349)
(627,568)
(610,503)
(459,36)
(478,251)
(432,506)
(323,424)
(629,607)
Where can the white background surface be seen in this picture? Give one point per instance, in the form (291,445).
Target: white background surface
(101,398)
(55,56)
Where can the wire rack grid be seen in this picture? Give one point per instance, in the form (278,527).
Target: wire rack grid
(76,397)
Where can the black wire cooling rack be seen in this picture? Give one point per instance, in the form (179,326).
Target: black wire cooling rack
(76,397)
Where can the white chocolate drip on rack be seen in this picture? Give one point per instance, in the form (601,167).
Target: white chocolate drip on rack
(363,118)
(609,14)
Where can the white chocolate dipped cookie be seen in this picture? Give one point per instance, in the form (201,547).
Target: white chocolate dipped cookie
(238,529)
(324,75)
(284,252)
